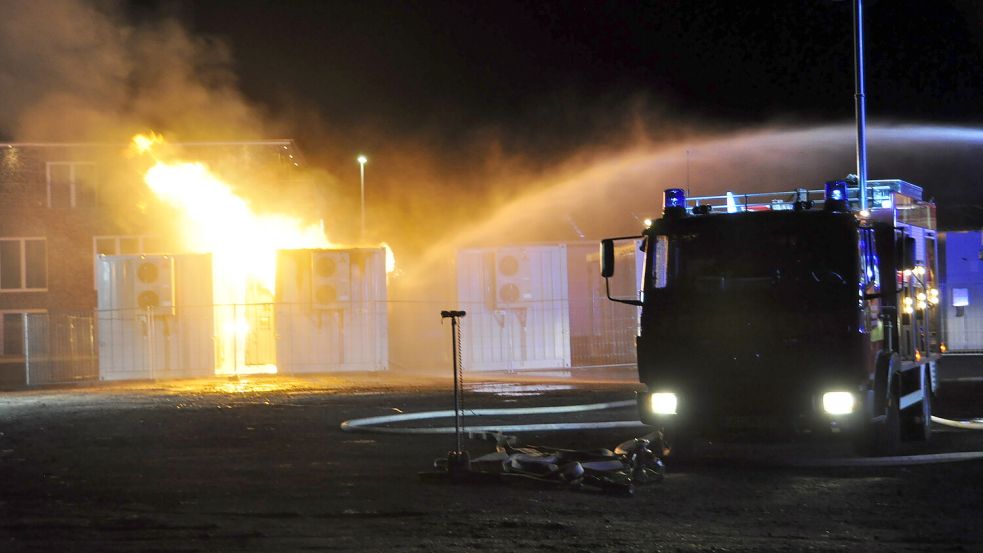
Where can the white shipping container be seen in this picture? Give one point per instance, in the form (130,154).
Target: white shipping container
(331,312)
(155,318)
(962,292)
(518,313)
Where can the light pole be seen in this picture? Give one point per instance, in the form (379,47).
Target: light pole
(860,101)
(361,170)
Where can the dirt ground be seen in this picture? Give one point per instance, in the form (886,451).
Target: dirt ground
(261,465)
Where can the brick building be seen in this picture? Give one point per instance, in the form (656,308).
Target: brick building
(62,204)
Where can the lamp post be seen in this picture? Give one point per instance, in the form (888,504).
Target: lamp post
(361,170)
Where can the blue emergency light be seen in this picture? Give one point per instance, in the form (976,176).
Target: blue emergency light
(836,190)
(674,198)
(836,196)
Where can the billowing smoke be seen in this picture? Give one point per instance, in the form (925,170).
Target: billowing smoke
(76,71)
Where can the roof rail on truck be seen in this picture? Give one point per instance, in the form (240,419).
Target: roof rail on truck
(881,194)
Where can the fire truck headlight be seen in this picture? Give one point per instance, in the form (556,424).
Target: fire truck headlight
(663,403)
(838,403)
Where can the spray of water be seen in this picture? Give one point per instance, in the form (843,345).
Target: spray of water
(611,196)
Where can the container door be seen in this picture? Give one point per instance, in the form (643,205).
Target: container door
(261,340)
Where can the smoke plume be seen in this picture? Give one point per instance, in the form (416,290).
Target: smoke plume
(77,71)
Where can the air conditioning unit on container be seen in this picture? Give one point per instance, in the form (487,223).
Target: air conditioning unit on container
(331,286)
(153,287)
(513,278)
(330,310)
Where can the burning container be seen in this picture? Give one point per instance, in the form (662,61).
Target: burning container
(331,312)
(155,316)
(537,307)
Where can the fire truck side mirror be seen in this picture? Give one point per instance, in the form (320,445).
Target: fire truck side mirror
(607,258)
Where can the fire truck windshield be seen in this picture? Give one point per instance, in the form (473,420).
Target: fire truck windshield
(768,252)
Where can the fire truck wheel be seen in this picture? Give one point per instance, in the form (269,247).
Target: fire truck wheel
(887,436)
(881,438)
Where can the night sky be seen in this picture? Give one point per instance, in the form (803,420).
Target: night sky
(551,74)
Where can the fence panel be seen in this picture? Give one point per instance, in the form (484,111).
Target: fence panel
(60,348)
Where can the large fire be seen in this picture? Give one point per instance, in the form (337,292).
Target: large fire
(220,222)
(243,244)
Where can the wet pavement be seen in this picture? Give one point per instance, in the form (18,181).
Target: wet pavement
(260,464)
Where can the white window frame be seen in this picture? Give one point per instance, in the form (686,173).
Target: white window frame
(118,238)
(3,331)
(23,264)
(71,178)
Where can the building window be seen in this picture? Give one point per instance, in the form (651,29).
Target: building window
(12,331)
(71,184)
(23,264)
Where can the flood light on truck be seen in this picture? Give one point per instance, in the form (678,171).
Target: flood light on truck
(838,403)
(663,403)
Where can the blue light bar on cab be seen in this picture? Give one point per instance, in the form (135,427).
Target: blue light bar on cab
(836,198)
(836,190)
(675,201)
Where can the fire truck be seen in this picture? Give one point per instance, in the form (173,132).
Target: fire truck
(794,312)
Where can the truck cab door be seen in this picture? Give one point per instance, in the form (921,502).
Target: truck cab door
(887,260)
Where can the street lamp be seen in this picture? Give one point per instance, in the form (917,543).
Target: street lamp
(362,160)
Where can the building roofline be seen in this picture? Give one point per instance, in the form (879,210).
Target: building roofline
(264,142)
(287,144)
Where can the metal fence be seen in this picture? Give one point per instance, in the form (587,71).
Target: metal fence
(297,338)
(59,348)
(203,341)
(199,341)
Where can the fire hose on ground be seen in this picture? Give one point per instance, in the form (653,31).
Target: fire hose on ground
(382,424)
(975,424)
(375,424)
(612,469)
(616,470)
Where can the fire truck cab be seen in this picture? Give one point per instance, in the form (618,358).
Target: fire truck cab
(790,311)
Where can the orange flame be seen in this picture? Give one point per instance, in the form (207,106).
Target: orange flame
(243,244)
(218,221)
(143,143)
